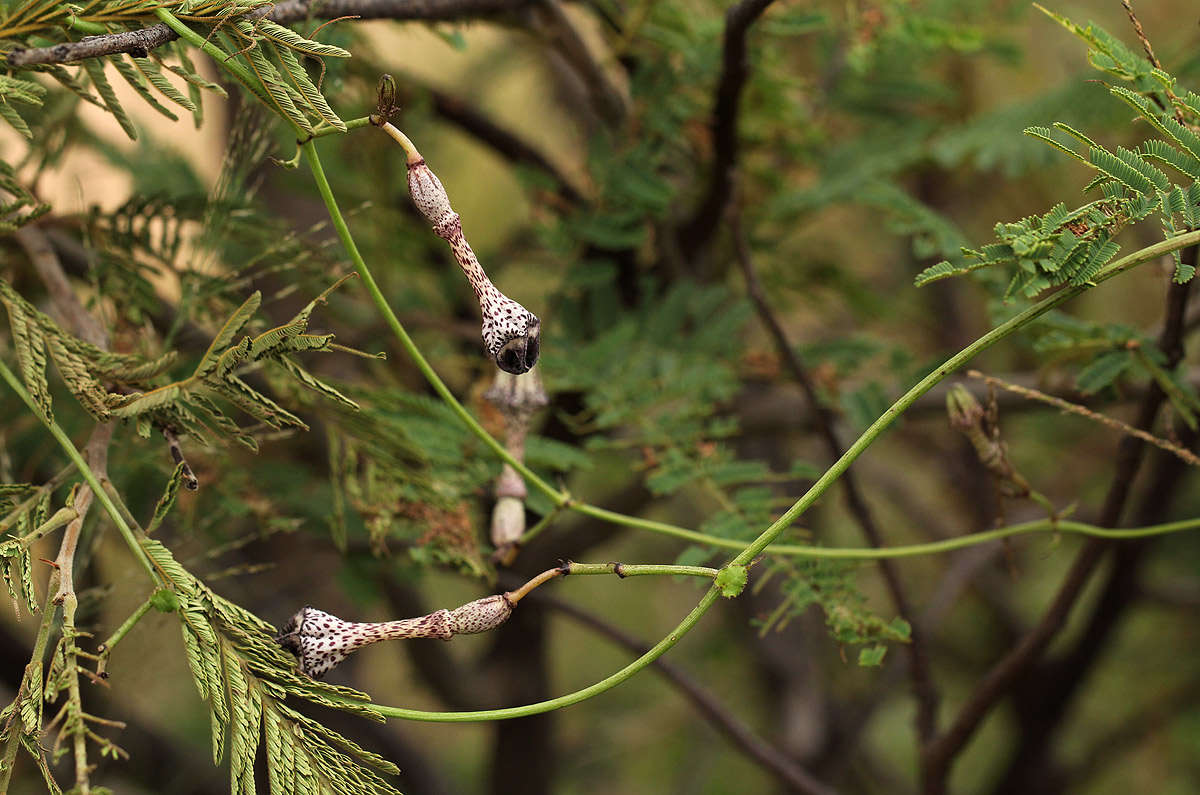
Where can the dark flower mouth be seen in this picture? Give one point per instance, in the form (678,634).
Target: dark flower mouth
(520,354)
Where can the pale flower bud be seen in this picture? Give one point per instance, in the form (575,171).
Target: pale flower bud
(428,194)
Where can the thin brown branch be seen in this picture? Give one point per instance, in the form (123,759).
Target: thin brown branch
(1103,419)
(922,682)
(698,230)
(771,758)
(1150,56)
(73,314)
(189,477)
(1141,34)
(139,42)
(65,560)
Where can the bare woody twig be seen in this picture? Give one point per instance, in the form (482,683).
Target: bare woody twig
(695,234)
(67,306)
(923,688)
(1082,411)
(139,42)
(189,477)
(1150,56)
(73,314)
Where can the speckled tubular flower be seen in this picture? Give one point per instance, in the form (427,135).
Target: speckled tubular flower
(510,331)
(320,641)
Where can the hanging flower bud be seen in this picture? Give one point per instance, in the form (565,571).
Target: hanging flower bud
(429,196)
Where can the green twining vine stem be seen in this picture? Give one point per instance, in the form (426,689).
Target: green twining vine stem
(951,365)
(768,536)
(563,500)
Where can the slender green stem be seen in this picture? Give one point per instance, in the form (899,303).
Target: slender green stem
(640,569)
(321,130)
(541,525)
(952,364)
(118,635)
(663,528)
(974,539)
(840,466)
(658,650)
(83,26)
(619,569)
(15,514)
(88,475)
(62,517)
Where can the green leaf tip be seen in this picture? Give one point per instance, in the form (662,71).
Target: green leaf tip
(732,581)
(872,656)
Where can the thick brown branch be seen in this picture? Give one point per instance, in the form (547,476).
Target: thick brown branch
(139,42)
(695,234)
(923,688)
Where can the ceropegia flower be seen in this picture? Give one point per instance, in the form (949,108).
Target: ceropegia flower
(320,640)
(511,333)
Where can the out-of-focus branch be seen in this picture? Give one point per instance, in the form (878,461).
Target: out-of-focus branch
(70,310)
(923,688)
(698,230)
(607,101)
(139,42)
(771,758)
(503,141)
